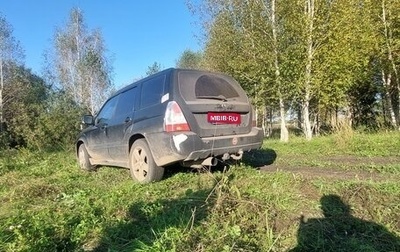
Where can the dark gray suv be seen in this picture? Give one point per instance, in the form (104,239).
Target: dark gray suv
(177,115)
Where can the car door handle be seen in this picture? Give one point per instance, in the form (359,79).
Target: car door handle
(128,119)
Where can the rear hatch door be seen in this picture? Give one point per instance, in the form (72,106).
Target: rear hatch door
(215,104)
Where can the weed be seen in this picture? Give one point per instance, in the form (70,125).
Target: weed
(343,135)
(48,204)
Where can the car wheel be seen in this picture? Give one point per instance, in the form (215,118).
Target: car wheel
(83,158)
(142,166)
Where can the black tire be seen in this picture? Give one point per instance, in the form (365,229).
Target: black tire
(83,159)
(141,162)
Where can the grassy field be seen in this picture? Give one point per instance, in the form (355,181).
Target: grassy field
(335,193)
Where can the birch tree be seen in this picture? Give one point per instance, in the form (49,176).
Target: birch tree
(310,55)
(309,13)
(190,59)
(245,40)
(309,25)
(155,68)
(390,57)
(94,71)
(278,81)
(81,66)
(343,59)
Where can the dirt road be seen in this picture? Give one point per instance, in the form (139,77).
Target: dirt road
(339,167)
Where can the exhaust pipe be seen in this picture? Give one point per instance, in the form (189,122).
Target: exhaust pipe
(238,156)
(211,161)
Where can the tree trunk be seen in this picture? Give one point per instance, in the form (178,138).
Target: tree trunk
(264,122)
(306,118)
(271,121)
(398,109)
(307,89)
(386,84)
(284,130)
(316,124)
(389,81)
(299,118)
(256,115)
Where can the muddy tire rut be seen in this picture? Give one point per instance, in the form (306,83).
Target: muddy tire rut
(338,168)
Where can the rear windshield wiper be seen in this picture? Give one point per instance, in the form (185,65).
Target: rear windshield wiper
(218,97)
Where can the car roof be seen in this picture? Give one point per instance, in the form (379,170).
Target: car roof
(168,71)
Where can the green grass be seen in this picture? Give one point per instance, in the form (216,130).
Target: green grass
(48,204)
(359,144)
(354,151)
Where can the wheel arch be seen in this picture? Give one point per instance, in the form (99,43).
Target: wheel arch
(133,138)
(77,145)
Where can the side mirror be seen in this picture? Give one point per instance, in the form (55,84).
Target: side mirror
(88,120)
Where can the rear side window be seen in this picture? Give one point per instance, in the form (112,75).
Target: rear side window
(196,85)
(152,91)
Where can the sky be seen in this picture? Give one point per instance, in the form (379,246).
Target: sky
(137,33)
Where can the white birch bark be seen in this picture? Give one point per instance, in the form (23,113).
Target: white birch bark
(284,131)
(388,80)
(309,12)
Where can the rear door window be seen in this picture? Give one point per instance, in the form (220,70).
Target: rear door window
(125,105)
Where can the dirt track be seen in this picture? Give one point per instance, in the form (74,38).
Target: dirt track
(339,168)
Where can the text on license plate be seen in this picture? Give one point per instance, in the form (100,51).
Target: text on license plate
(223,118)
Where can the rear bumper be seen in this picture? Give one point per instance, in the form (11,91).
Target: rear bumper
(169,148)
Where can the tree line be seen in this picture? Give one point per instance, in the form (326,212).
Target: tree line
(44,111)
(311,63)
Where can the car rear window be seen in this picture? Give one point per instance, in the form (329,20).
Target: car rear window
(199,85)
(207,85)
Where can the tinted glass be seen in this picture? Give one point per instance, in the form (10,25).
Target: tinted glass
(152,91)
(126,102)
(209,85)
(107,111)
(125,105)
(195,85)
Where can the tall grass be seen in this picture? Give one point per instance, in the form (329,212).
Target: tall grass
(48,204)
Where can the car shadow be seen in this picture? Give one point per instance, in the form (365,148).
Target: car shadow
(174,169)
(340,231)
(147,220)
(254,158)
(260,157)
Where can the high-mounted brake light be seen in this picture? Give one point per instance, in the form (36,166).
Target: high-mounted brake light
(174,120)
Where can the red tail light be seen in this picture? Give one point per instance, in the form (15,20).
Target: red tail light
(174,119)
